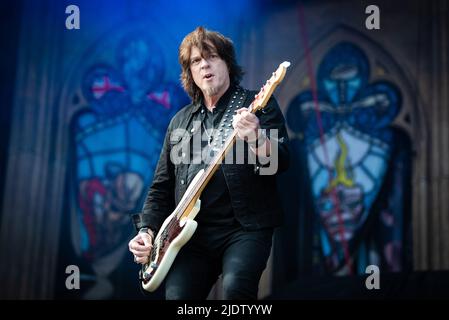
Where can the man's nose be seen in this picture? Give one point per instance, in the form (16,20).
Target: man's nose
(204,63)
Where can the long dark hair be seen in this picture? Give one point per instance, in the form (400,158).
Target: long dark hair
(206,41)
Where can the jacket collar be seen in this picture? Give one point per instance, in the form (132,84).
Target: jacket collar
(222,102)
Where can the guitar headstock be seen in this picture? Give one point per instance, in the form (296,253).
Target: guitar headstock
(266,91)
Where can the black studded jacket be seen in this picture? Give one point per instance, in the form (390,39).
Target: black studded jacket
(254,197)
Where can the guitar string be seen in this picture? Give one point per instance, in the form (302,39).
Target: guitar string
(172,223)
(222,153)
(209,168)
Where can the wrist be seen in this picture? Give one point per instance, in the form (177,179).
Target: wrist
(259,141)
(147,230)
(143,230)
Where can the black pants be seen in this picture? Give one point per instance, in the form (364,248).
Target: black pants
(239,255)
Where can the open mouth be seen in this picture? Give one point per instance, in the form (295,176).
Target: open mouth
(208,76)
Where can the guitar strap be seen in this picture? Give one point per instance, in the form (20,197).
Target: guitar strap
(224,128)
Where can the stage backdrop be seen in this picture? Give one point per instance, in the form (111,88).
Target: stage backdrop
(366,112)
(121,95)
(358,104)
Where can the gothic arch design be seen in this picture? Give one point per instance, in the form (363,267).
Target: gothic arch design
(118,100)
(345,196)
(412,119)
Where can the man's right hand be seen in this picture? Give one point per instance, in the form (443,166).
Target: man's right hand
(141,246)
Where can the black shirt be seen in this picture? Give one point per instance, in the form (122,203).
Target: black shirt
(216,207)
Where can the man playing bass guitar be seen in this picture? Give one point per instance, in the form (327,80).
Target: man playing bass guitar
(240,206)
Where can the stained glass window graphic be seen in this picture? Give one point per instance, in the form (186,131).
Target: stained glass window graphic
(112,171)
(117,139)
(348,159)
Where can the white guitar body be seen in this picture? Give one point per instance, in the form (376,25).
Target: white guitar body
(176,244)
